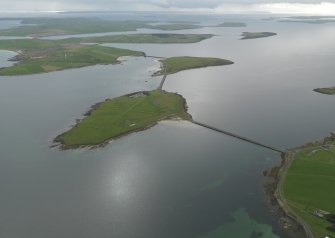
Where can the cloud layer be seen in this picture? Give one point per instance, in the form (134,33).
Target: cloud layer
(218,6)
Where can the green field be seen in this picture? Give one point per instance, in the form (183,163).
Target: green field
(39,56)
(119,116)
(330,91)
(176,64)
(143,38)
(309,186)
(39,27)
(255,35)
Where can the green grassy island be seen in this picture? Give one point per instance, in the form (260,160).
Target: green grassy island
(143,38)
(232,24)
(255,35)
(176,64)
(309,184)
(119,116)
(329,91)
(41,56)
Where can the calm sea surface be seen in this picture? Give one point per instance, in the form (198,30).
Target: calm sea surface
(176,179)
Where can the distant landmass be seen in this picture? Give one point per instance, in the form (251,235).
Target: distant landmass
(41,27)
(232,24)
(255,35)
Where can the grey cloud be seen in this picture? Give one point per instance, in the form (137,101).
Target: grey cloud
(133,4)
(210,3)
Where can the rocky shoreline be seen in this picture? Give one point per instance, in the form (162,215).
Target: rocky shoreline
(285,221)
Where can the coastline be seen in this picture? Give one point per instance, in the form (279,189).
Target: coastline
(278,196)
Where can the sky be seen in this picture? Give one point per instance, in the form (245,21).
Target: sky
(215,6)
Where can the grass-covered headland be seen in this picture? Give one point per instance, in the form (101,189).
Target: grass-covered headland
(309,184)
(40,56)
(176,64)
(120,116)
(255,35)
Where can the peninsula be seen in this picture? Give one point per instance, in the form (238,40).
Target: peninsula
(255,35)
(119,116)
(40,56)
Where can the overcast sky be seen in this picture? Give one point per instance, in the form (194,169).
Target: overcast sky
(215,6)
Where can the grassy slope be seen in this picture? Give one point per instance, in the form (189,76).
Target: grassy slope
(330,91)
(119,116)
(143,38)
(255,35)
(309,185)
(38,56)
(176,64)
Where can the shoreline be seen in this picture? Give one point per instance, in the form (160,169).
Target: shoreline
(283,219)
(277,194)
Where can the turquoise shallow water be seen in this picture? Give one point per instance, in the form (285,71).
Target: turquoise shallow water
(175,179)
